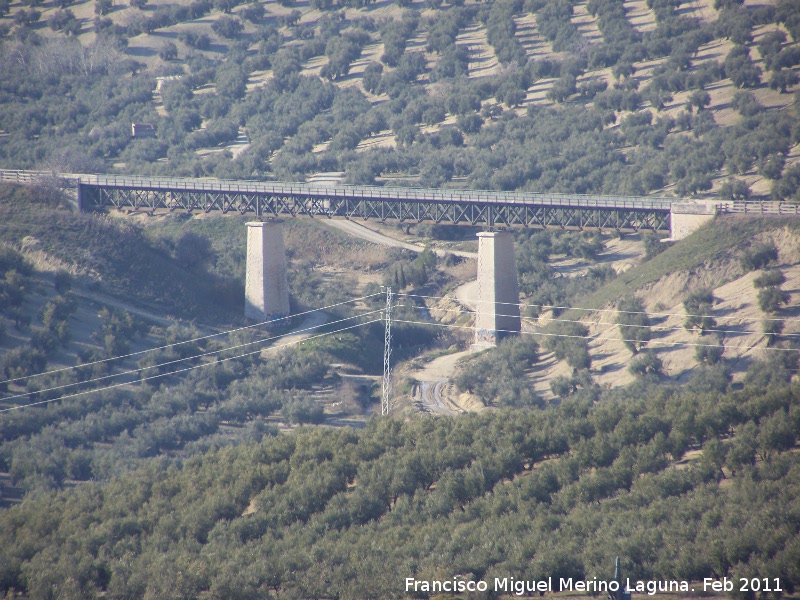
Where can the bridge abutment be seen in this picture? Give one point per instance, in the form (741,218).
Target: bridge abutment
(497,310)
(687,217)
(266,288)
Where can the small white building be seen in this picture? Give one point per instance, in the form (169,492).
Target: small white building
(143,130)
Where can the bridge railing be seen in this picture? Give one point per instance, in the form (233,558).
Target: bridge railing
(377,193)
(763,208)
(18,176)
(23,176)
(390,193)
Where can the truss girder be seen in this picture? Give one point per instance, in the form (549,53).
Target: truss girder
(488,213)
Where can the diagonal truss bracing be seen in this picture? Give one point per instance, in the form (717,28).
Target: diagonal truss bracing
(486,209)
(474,207)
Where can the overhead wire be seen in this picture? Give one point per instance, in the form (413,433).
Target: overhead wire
(197,339)
(179,360)
(543,334)
(193,367)
(651,327)
(443,325)
(595,337)
(611,310)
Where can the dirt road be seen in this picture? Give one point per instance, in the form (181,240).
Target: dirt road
(365,233)
(431,396)
(107,300)
(306,329)
(467,294)
(435,392)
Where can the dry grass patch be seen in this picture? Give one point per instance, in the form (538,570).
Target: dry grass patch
(313,66)
(547,369)
(639,15)
(418,43)
(599,75)
(321,147)
(537,93)
(450,120)
(793,157)
(208,88)
(382,139)
(586,24)
(370,53)
(536,46)
(700,9)
(258,79)
(482,59)
(644,70)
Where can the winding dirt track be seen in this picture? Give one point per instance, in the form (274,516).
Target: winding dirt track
(365,233)
(434,389)
(306,329)
(431,397)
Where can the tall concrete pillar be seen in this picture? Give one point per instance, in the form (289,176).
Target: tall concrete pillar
(266,294)
(497,311)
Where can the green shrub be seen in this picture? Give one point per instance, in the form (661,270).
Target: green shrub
(710,352)
(734,189)
(227,27)
(563,386)
(698,306)
(653,245)
(647,366)
(771,299)
(774,278)
(746,104)
(14,272)
(568,341)
(498,377)
(303,410)
(759,256)
(772,329)
(634,323)
(22,362)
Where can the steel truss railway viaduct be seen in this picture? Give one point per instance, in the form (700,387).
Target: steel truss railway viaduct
(266,291)
(489,209)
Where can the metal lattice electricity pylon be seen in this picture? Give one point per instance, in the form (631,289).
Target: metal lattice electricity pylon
(386,399)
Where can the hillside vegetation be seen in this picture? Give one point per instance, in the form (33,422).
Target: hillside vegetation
(523,494)
(48,325)
(115,255)
(85,298)
(604,96)
(662,427)
(699,312)
(715,260)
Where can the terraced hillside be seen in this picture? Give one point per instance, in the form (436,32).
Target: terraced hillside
(690,98)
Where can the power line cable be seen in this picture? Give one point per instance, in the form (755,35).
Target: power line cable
(205,337)
(116,385)
(171,362)
(611,310)
(591,337)
(652,327)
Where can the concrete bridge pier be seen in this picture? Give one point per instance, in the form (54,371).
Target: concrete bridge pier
(497,310)
(266,295)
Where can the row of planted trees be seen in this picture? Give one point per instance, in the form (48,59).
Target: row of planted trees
(508,156)
(351,513)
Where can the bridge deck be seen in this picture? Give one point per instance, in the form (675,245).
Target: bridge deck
(349,192)
(474,207)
